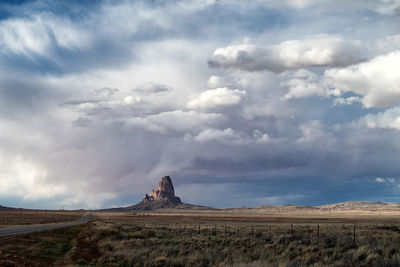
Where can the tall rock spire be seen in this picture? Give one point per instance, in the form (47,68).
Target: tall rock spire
(165,195)
(165,189)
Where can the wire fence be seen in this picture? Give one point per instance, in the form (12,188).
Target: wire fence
(313,233)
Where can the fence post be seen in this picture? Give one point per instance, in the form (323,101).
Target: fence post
(318,234)
(354,234)
(199,228)
(292,228)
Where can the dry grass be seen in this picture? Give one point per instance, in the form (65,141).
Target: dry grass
(48,248)
(151,243)
(24,217)
(136,240)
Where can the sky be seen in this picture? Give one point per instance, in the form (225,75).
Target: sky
(242,103)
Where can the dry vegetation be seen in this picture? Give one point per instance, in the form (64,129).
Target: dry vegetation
(61,247)
(146,240)
(24,217)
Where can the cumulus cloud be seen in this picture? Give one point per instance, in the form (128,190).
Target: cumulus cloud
(305,84)
(216,82)
(377,80)
(319,51)
(342,101)
(219,97)
(226,135)
(175,121)
(230,137)
(389,120)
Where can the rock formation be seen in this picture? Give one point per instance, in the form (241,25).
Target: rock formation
(164,197)
(165,192)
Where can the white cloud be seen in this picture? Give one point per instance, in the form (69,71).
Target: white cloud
(380,180)
(30,180)
(306,84)
(230,136)
(342,101)
(260,138)
(227,135)
(217,81)
(23,36)
(318,51)
(175,121)
(129,100)
(390,7)
(38,34)
(389,120)
(213,98)
(377,81)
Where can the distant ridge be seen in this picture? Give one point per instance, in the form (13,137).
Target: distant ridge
(361,205)
(171,201)
(6,208)
(343,206)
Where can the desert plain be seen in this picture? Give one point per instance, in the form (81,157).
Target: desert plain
(345,234)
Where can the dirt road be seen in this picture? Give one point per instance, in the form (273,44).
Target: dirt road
(36,228)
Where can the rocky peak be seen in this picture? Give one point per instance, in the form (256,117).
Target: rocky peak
(165,189)
(165,193)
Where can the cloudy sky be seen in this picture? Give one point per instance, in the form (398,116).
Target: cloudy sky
(243,103)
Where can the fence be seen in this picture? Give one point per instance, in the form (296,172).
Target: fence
(312,233)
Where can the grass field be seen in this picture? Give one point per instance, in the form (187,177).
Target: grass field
(122,239)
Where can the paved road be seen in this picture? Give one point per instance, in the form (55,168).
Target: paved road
(36,228)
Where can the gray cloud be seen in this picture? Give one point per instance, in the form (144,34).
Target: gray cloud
(152,88)
(318,51)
